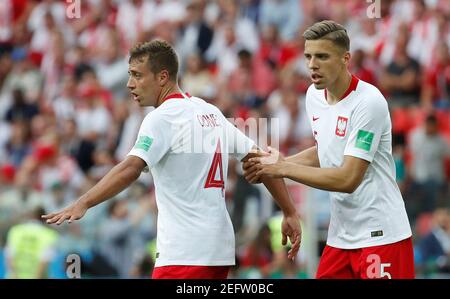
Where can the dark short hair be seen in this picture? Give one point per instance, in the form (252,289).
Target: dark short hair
(160,56)
(431,119)
(329,30)
(244,54)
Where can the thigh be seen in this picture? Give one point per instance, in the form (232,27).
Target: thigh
(191,272)
(334,264)
(392,261)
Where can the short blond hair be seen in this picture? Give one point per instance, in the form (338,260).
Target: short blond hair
(329,30)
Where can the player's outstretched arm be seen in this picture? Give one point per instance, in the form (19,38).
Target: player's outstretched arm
(115,181)
(345,178)
(307,157)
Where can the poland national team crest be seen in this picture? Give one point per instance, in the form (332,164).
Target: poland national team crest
(341,126)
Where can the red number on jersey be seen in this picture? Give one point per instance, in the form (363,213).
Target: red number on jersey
(211,182)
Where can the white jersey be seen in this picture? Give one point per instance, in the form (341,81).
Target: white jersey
(185,142)
(360,126)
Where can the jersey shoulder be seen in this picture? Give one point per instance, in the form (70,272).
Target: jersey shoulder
(370,90)
(371,98)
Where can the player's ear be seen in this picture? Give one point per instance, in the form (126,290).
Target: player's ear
(346,58)
(163,77)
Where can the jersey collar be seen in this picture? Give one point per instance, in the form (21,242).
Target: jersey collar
(176,96)
(352,87)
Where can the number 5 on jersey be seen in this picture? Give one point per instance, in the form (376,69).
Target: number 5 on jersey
(216,165)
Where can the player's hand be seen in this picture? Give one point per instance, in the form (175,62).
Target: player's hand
(270,165)
(250,167)
(73,212)
(291,228)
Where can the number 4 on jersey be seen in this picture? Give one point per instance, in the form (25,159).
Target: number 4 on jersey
(211,181)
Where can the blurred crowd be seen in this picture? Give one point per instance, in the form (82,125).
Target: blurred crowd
(66,118)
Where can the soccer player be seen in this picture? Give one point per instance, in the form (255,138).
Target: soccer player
(369,234)
(195,237)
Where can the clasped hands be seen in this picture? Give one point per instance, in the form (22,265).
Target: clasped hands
(261,163)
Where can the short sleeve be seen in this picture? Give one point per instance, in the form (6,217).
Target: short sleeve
(153,140)
(239,145)
(367,125)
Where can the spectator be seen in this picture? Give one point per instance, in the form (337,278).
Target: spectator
(224,52)
(424,31)
(196,33)
(288,109)
(21,109)
(270,47)
(18,146)
(116,235)
(111,63)
(24,76)
(63,105)
(7,173)
(92,117)
(129,125)
(401,77)
(233,33)
(74,146)
(285,15)
(103,162)
(434,248)
(256,261)
(5,67)
(251,9)
(436,86)
(197,79)
(43,11)
(41,38)
(284,268)
(53,66)
(398,152)
(241,80)
(30,248)
(368,36)
(360,69)
(47,166)
(429,151)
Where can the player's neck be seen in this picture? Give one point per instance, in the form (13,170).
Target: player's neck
(171,89)
(338,88)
